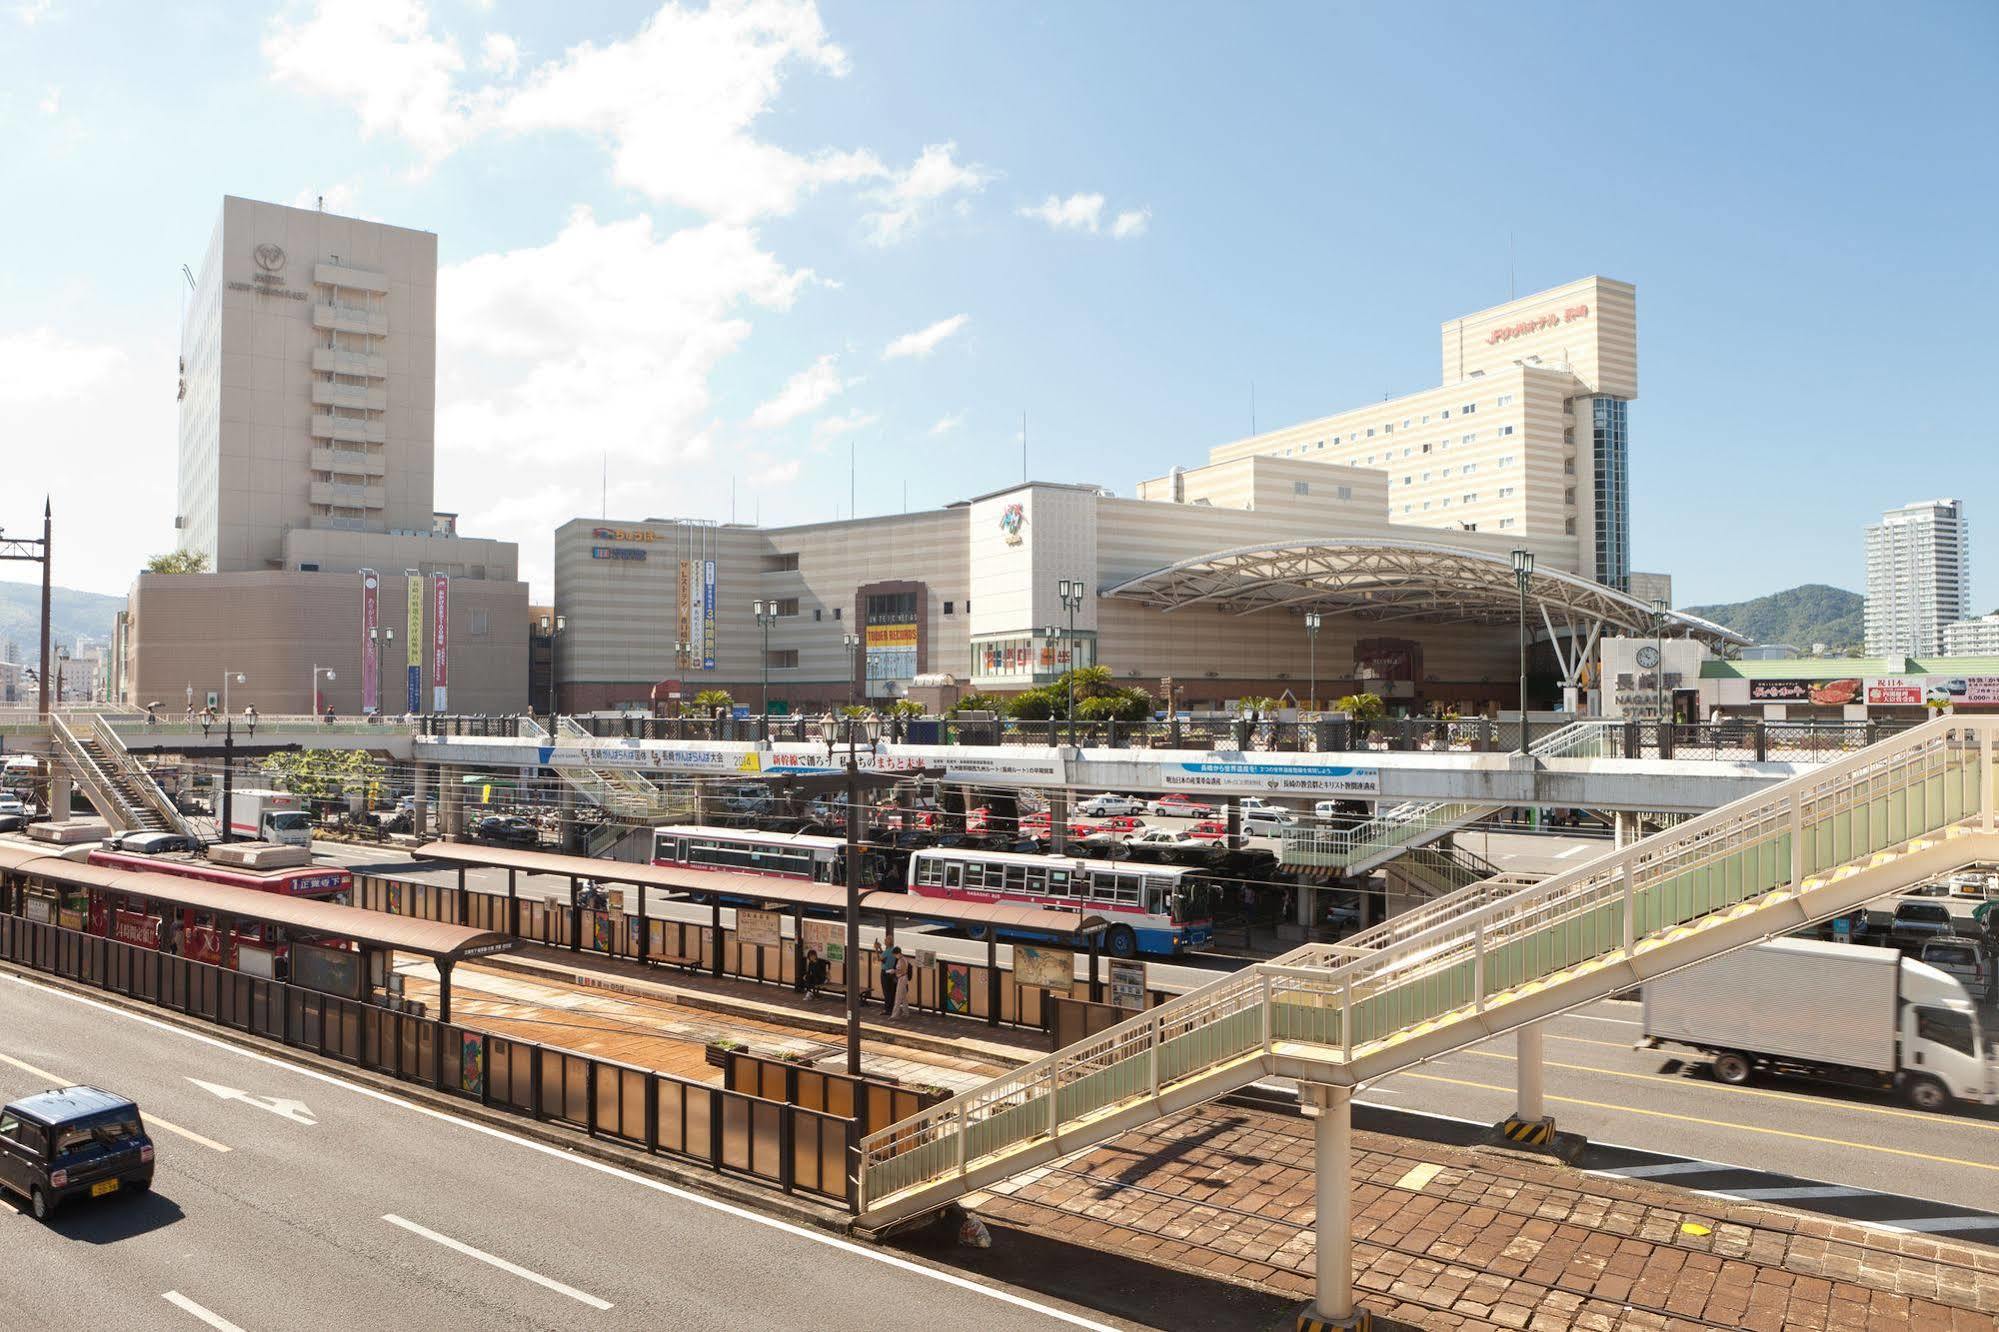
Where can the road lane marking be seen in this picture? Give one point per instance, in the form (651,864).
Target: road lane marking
(1664,1168)
(1932,1224)
(1564,855)
(55,1080)
(1927,1117)
(208,1316)
(296,1111)
(549,1283)
(568,1157)
(1591,1017)
(1783,1194)
(1717,1123)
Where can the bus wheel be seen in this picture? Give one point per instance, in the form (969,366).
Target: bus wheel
(1121,941)
(1731,1068)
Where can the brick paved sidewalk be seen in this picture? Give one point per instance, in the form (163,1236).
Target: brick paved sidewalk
(1463,1238)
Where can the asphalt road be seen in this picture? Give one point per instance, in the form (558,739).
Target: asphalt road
(319,1203)
(1893,1163)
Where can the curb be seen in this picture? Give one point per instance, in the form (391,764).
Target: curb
(713,1183)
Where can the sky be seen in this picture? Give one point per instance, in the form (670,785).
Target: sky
(688,253)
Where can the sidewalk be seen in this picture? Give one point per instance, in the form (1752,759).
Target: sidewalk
(637,1019)
(1474,1239)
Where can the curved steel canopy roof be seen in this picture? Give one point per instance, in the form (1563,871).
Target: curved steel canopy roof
(1386,581)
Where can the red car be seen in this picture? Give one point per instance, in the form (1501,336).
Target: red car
(1175,805)
(1214,830)
(1118,825)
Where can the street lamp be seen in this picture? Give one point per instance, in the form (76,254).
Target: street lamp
(377,636)
(1071,592)
(1523,572)
(227,676)
(766,617)
(852,642)
(318,671)
(1312,655)
(1659,609)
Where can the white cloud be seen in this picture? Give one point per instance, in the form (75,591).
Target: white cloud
(500,54)
(31,12)
(852,421)
(925,340)
(43,366)
(380,57)
(804,393)
(945,425)
(51,102)
(777,473)
(910,196)
(1085,213)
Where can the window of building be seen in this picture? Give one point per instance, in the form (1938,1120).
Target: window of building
(1504,400)
(1426,420)
(1471,527)
(1446,502)
(1506,430)
(1468,409)
(1408,480)
(1506,492)
(1569,495)
(1447,414)
(475,623)
(1569,526)
(1346,492)
(1406,450)
(1301,487)
(836,611)
(1426,506)
(1388,427)
(1471,498)
(780,563)
(1426,448)
(947,608)
(1426,476)
(779,659)
(1568,437)
(1370,432)
(1506,522)
(1568,467)
(1405,423)
(817,612)
(1470,467)
(787,605)
(308,568)
(1506,461)
(1405,508)
(1370,460)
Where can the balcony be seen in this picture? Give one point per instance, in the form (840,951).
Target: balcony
(351,428)
(348,319)
(348,462)
(335,361)
(358,279)
(340,495)
(349,395)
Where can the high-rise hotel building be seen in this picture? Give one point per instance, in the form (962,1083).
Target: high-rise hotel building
(1918,578)
(1527,435)
(308,384)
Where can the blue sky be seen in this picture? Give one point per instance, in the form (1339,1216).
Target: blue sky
(691,244)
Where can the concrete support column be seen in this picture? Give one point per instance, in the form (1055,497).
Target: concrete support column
(1058,821)
(419,812)
(1332,1138)
(1626,827)
(59,792)
(1308,905)
(565,818)
(1530,1069)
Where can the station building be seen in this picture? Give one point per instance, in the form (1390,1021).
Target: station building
(1396,524)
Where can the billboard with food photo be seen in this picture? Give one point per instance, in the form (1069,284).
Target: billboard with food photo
(1818,693)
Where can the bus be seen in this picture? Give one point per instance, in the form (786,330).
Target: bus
(801,856)
(194,933)
(1158,909)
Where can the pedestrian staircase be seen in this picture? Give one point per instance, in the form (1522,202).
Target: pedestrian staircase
(1437,870)
(1485,960)
(619,791)
(1365,846)
(120,788)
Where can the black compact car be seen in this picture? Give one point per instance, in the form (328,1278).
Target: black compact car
(78,1142)
(508,829)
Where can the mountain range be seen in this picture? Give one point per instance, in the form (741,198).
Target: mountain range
(1801,616)
(72,614)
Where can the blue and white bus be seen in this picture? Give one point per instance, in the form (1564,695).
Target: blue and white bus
(1159,909)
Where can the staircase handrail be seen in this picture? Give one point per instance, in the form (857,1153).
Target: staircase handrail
(1334,973)
(141,780)
(96,781)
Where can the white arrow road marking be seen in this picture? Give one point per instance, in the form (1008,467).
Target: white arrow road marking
(55,1080)
(296,1111)
(459,1245)
(208,1316)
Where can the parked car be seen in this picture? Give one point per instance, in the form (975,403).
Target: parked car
(73,1143)
(1960,958)
(1916,923)
(507,828)
(1212,830)
(1268,822)
(1121,825)
(1099,806)
(1174,805)
(1163,839)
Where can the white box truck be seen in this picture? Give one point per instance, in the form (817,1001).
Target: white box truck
(269,816)
(1839,1012)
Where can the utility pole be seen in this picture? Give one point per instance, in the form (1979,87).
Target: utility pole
(28,548)
(853,905)
(1523,572)
(228,773)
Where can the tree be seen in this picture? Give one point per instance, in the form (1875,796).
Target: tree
(708,700)
(980,703)
(179,562)
(1258,703)
(1362,707)
(1037,704)
(324,774)
(1127,705)
(906,707)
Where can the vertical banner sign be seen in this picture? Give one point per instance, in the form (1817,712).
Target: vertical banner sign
(413,638)
(686,609)
(440,607)
(708,603)
(371,648)
(690,597)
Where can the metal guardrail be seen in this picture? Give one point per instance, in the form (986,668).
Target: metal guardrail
(1459,953)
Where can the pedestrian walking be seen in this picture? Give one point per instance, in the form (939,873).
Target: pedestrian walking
(890,954)
(905,978)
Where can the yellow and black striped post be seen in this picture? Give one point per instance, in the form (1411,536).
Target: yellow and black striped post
(1308,1321)
(1528,1132)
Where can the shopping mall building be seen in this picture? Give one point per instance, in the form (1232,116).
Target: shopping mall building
(1392,527)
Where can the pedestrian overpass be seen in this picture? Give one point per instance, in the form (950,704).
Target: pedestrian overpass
(1461,969)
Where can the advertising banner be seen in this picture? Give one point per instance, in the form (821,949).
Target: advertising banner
(440,636)
(758,927)
(413,638)
(693,609)
(371,647)
(829,937)
(1895,691)
(892,635)
(1820,693)
(133,927)
(1954,689)
(957,987)
(471,1062)
(1270,773)
(708,615)
(1048,968)
(1127,988)
(1023,766)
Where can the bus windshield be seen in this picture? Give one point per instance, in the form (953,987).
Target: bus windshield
(1193,901)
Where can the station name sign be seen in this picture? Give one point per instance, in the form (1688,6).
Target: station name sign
(1535,325)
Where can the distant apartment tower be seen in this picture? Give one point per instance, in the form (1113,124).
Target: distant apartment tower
(1972,638)
(1918,578)
(308,384)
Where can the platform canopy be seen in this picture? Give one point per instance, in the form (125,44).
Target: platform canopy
(1382,582)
